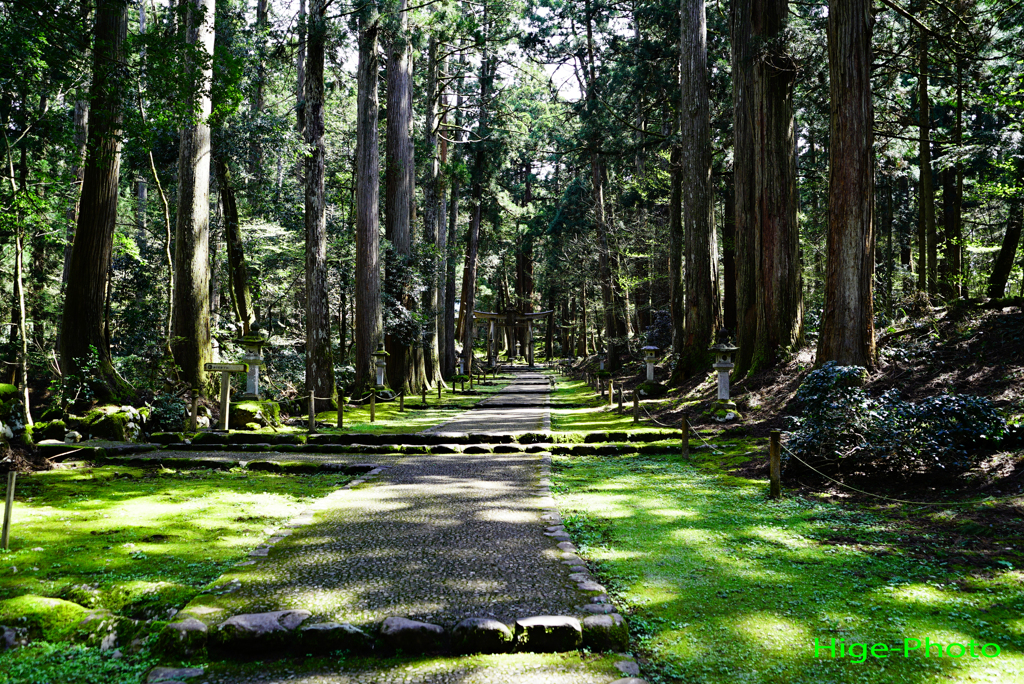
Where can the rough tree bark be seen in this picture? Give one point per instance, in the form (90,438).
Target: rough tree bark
(191,324)
(703,307)
(319,357)
(744,212)
(676,292)
(84,315)
(433,231)
(399,177)
(778,286)
(369,326)
(847,328)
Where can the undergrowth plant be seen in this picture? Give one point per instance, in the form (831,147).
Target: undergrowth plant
(844,429)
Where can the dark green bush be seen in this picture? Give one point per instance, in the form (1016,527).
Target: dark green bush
(842,428)
(169,414)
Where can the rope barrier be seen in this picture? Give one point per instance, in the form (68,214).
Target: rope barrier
(902,501)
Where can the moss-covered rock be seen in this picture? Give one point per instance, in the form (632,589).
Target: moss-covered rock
(116,423)
(50,619)
(263,413)
(54,429)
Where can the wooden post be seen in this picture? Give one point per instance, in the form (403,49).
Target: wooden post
(636,407)
(470,381)
(8,509)
(341,410)
(312,413)
(424,395)
(620,400)
(685,426)
(611,393)
(225,399)
(439,393)
(775,469)
(401,402)
(193,424)
(373,404)
(600,388)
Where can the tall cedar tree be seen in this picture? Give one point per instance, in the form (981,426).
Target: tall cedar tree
(319,359)
(369,326)
(703,308)
(774,240)
(404,354)
(191,324)
(83,322)
(847,328)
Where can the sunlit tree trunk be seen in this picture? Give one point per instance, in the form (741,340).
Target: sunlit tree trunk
(191,325)
(369,326)
(84,316)
(926,241)
(433,226)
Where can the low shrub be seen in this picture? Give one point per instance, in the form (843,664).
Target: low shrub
(844,429)
(168,414)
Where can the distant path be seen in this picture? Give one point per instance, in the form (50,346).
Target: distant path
(522,406)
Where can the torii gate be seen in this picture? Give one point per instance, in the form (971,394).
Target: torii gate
(510,319)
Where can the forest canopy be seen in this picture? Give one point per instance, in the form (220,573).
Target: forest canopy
(337,176)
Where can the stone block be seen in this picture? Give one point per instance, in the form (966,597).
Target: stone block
(172,674)
(605,632)
(257,632)
(410,636)
(482,635)
(548,634)
(324,637)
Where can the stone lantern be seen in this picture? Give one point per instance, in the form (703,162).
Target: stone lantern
(651,357)
(725,408)
(253,356)
(380,360)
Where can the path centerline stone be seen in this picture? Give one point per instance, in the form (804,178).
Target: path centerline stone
(436,538)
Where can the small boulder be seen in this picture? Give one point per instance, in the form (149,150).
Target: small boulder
(605,632)
(8,638)
(548,634)
(183,638)
(324,637)
(172,674)
(482,635)
(411,636)
(256,632)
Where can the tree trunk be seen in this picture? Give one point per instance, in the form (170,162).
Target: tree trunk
(744,186)
(926,250)
(81,137)
(1007,251)
(778,287)
(238,270)
(300,82)
(399,188)
(319,356)
(84,315)
(676,292)
(191,324)
(258,99)
(451,244)
(847,328)
(729,257)
(703,308)
(433,234)
(369,325)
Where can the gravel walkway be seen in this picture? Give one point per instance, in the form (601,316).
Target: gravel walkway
(437,538)
(521,406)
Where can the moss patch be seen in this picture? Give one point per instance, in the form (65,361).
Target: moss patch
(51,619)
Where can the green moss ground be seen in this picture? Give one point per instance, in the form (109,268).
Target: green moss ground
(722,585)
(141,541)
(594,416)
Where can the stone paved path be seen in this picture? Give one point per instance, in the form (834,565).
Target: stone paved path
(436,537)
(521,406)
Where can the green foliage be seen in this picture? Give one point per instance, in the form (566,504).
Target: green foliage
(45,663)
(77,388)
(168,413)
(842,428)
